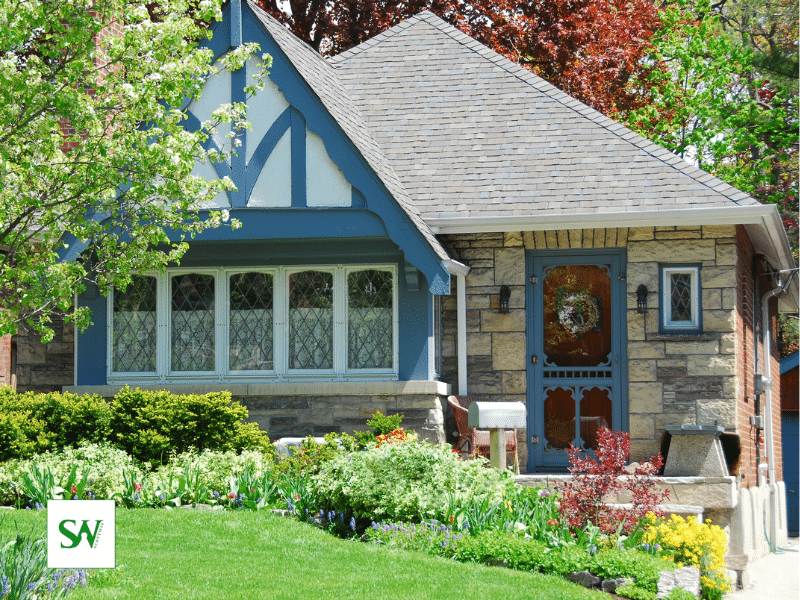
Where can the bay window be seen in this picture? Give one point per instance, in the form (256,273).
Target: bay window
(333,322)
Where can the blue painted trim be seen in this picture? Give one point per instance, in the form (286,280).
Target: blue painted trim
(789,362)
(299,196)
(274,253)
(236,23)
(92,343)
(357,199)
(416,325)
(238,159)
(220,41)
(265,148)
(264,223)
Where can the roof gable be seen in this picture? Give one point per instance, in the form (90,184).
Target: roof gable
(491,139)
(320,117)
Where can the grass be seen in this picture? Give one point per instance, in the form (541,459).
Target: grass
(178,554)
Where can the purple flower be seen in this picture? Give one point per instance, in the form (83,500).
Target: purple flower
(544,493)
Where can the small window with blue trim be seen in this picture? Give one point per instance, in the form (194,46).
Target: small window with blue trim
(680,299)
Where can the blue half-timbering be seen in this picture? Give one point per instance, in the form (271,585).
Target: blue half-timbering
(308,202)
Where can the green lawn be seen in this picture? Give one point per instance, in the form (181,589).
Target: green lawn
(188,554)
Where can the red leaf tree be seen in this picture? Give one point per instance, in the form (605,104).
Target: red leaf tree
(588,48)
(596,482)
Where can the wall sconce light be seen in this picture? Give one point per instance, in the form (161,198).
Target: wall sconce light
(505,294)
(641,299)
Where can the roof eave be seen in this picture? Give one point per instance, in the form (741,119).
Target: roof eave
(762,221)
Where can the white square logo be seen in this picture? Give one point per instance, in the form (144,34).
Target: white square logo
(80,534)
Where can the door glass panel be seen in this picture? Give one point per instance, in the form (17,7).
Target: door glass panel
(577,315)
(559,418)
(595,413)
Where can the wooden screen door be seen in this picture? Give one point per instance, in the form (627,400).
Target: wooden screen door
(577,373)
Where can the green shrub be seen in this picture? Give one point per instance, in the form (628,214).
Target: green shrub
(643,567)
(21,435)
(498,547)
(311,455)
(406,481)
(564,559)
(216,467)
(383,424)
(151,425)
(636,592)
(105,464)
(35,422)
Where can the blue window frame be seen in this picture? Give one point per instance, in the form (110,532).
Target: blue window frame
(680,308)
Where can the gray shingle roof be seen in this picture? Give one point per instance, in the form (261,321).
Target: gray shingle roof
(325,83)
(472,134)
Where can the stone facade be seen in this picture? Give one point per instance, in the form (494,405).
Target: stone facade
(45,367)
(673,379)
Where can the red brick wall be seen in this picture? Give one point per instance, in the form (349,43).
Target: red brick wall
(748,322)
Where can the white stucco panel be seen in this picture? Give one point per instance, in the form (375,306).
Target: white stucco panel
(263,108)
(206,171)
(325,183)
(273,188)
(216,92)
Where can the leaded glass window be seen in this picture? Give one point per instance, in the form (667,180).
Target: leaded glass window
(311,320)
(193,324)
(370,319)
(250,322)
(134,327)
(680,299)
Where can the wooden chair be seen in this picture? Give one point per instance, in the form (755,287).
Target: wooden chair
(472,441)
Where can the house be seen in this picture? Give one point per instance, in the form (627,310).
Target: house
(421,216)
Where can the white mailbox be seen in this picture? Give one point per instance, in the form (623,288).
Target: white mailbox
(497,416)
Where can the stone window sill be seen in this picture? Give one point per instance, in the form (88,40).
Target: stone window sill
(681,337)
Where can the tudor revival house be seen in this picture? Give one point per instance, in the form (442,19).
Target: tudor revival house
(422,217)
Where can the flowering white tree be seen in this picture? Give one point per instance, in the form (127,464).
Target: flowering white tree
(93,152)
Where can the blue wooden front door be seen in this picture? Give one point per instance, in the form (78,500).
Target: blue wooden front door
(577,367)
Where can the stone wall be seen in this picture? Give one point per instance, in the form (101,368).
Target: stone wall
(45,367)
(301,416)
(315,408)
(673,379)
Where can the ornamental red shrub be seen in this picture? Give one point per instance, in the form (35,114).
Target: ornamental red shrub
(595,482)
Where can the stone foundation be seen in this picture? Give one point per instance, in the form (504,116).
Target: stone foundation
(317,408)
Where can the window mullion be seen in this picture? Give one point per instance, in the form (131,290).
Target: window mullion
(163,318)
(281,329)
(221,320)
(339,321)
